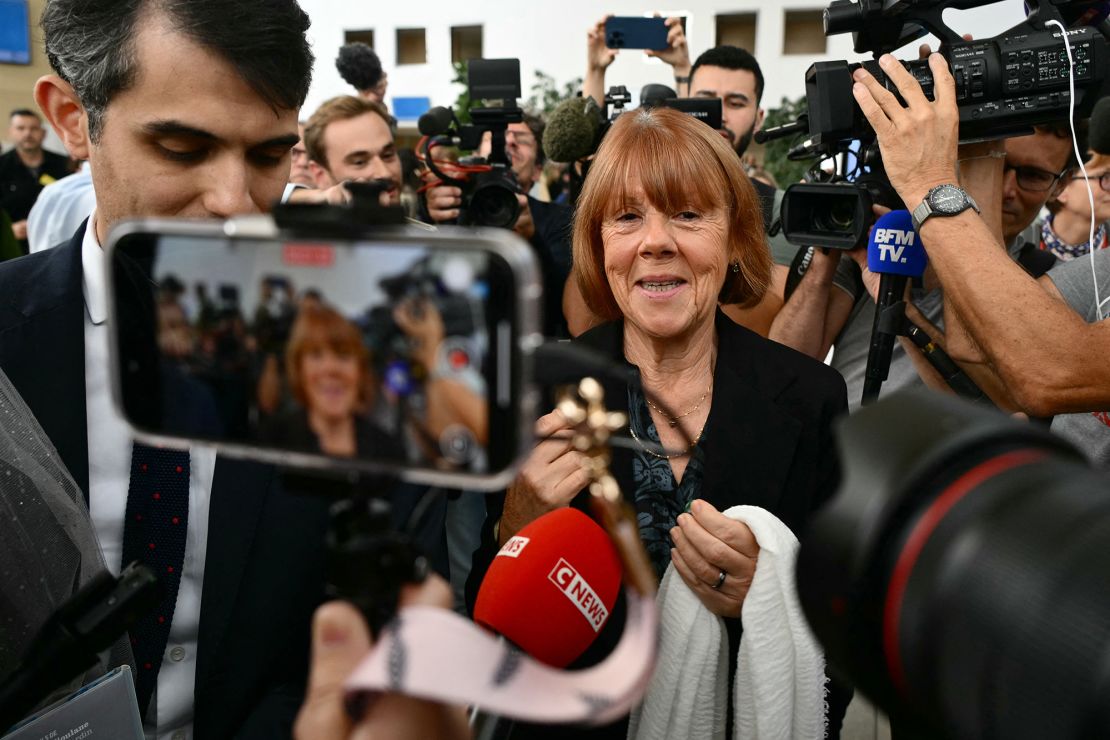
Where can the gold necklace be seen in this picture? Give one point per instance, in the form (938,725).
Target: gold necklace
(663,455)
(673,420)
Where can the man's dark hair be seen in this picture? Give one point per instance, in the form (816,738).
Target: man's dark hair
(731,57)
(1061,130)
(91,45)
(359,66)
(24,112)
(536,125)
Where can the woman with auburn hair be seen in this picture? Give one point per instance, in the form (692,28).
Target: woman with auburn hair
(667,227)
(328,368)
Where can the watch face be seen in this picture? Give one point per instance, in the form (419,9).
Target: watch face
(947,199)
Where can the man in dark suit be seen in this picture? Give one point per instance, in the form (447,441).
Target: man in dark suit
(183,109)
(26,170)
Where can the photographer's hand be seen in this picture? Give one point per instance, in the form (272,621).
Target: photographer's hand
(443,203)
(918,141)
(524,225)
(598,58)
(677,53)
(336,195)
(422,322)
(340,640)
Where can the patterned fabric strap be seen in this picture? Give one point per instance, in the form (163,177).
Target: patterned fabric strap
(439,655)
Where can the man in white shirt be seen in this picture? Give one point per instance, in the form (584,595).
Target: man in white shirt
(61,208)
(183,109)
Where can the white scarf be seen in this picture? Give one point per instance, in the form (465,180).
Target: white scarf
(780,672)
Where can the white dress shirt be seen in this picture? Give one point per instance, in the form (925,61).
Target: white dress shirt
(60,209)
(109,474)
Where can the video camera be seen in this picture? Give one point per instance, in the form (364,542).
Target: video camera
(959,577)
(489,185)
(577,126)
(1005,86)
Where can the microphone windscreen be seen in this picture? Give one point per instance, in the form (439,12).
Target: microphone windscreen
(894,247)
(571,131)
(1100,127)
(552,586)
(435,121)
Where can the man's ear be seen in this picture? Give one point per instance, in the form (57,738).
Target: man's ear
(759,120)
(58,102)
(320,175)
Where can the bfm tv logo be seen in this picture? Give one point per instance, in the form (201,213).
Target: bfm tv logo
(575,588)
(892,244)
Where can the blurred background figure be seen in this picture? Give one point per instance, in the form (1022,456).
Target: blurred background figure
(361,68)
(1067,230)
(26,170)
(299,172)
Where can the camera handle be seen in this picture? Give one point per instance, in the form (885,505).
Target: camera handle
(368,561)
(891,323)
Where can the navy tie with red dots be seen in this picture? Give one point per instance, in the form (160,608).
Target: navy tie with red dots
(154,534)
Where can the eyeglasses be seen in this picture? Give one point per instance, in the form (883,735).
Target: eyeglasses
(1033,179)
(522,139)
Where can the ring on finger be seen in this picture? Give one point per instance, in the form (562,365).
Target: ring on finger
(720,580)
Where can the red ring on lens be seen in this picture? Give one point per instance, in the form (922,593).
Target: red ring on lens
(907,559)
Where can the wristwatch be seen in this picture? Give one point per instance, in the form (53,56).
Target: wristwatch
(943,200)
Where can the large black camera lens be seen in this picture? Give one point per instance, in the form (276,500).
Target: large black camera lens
(961,578)
(491,200)
(831,215)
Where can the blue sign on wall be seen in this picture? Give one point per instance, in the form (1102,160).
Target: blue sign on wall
(15,32)
(409,109)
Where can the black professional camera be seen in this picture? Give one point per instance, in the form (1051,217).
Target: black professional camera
(1005,86)
(489,186)
(577,126)
(421,283)
(959,578)
(833,209)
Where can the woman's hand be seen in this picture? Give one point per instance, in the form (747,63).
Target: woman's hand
(708,543)
(551,477)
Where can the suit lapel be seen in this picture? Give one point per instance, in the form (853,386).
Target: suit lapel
(239,492)
(42,349)
(749,441)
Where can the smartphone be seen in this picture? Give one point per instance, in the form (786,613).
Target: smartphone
(631,32)
(412,347)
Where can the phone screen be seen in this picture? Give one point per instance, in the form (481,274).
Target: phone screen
(395,354)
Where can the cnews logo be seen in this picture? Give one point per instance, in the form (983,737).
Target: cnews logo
(892,243)
(513,547)
(575,588)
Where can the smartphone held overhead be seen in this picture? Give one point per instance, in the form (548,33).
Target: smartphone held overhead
(630,32)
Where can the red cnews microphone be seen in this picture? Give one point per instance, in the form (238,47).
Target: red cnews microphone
(551,588)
